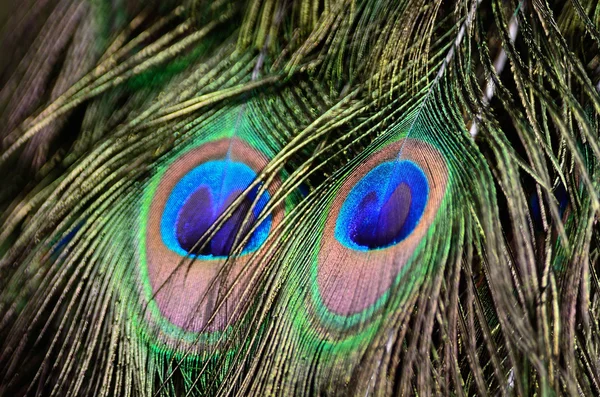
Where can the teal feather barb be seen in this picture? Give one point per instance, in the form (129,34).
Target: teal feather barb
(269,197)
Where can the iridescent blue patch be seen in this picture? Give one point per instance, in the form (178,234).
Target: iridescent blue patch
(198,200)
(384,207)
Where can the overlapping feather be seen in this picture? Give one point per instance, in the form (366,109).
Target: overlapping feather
(485,112)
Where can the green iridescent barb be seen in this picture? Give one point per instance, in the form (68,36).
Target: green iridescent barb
(271,197)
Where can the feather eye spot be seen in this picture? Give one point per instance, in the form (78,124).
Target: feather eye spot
(191,227)
(384,207)
(200,198)
(379,217)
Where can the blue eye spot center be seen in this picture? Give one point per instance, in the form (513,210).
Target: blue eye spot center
(375,227)
(200,211)
(200,198)
(384,207)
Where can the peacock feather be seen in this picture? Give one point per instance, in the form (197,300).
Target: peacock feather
(272,197)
